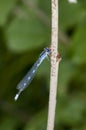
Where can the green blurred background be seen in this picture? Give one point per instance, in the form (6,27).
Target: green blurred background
(24,32)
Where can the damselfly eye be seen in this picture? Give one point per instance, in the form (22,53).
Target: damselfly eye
(47,50)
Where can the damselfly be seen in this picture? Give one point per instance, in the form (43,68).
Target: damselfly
(24,83)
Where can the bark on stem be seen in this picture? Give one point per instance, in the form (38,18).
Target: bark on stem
(54,66)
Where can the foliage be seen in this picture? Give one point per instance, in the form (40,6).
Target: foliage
(24,32)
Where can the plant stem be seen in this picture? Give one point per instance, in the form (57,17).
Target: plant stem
(54,66)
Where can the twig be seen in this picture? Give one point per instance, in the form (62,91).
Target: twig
(54,66)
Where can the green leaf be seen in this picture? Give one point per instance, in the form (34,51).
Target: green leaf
(6,7)
(46,7)
(39,122)
(26,34)
(78,45)
(7,124)
(69,14)
(70,112)
(66,72)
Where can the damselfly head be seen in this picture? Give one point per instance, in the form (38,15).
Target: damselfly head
(47,50)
